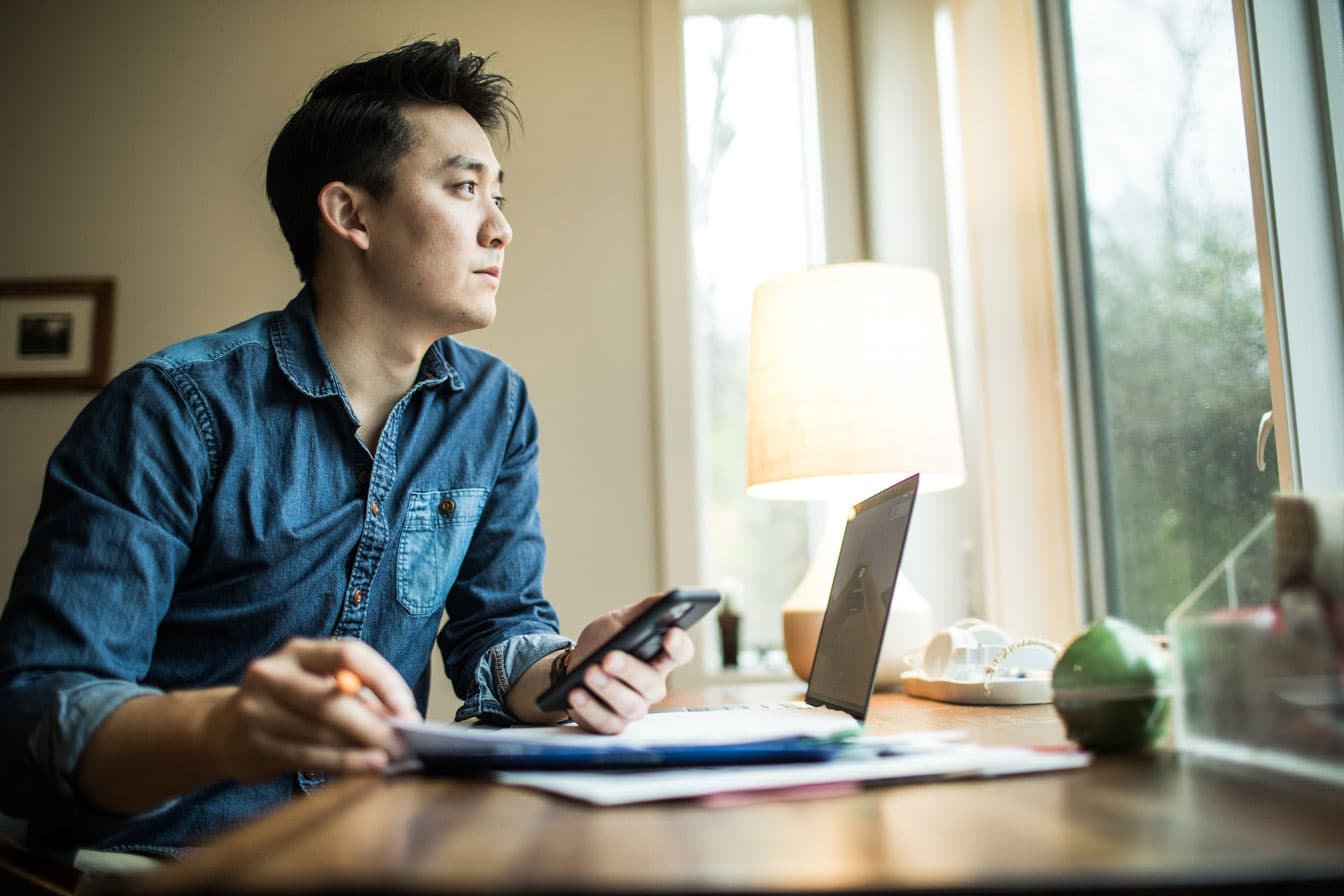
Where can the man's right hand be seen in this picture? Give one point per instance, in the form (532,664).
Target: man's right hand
(288,713)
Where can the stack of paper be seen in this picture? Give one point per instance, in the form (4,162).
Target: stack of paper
(661,739)
(720,754)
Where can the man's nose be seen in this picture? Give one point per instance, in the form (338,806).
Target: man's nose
(496,232)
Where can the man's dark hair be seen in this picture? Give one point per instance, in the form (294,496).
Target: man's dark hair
(350,128)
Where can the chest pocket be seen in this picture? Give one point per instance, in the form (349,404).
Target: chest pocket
(434,537)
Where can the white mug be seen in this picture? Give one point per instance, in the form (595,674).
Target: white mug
(955,652)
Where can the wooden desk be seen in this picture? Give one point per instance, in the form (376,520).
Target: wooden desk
(1127,822)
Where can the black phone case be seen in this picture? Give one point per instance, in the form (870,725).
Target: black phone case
(641,638)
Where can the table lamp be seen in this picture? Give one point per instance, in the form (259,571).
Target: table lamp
(849,390)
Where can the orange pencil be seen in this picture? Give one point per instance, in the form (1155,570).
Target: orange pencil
(348,682)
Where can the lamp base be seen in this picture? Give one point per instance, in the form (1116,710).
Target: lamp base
(804,609)
(802,627)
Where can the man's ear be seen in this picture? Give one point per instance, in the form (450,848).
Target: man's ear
(342,209)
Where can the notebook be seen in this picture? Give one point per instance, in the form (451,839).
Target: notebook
(660,740)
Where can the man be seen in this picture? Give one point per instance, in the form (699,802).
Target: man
(240,517)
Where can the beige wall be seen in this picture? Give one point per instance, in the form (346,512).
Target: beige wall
(134,144)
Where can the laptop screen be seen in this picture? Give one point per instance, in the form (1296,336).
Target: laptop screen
(856,613)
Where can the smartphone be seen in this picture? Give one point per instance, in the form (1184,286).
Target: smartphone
(642,638)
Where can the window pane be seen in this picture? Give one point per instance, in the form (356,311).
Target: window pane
(1178,352)
(748,177)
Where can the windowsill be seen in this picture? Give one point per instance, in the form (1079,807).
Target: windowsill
(770,675)
(730,676)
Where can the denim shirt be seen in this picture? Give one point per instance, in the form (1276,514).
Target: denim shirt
(213,502)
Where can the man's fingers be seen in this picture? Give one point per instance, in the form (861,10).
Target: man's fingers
(294,681)
(678,650)
(646,681)
(362,724)
(351,655)
(616,693)
(621,688)
(628,613)
(259,713)
(282,679)
(321,757)
(591,713)
(302,707)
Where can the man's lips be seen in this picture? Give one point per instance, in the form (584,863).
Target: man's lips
(492,271)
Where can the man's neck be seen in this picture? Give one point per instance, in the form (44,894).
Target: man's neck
(376,360)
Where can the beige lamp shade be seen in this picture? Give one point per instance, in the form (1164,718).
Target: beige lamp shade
(850,384)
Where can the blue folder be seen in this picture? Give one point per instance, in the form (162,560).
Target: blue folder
(537,757)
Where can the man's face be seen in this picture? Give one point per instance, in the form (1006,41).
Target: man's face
(436,243)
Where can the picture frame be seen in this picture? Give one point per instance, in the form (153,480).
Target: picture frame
(55,334)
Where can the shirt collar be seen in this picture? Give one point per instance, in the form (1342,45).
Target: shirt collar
(299,352)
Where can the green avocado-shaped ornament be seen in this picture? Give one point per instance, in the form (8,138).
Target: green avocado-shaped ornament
(1112,687)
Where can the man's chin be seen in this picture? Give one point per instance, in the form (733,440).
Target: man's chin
(468,320)
(483,317)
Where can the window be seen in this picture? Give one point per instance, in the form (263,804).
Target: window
(754,214)
(1174,345)
(1164,343)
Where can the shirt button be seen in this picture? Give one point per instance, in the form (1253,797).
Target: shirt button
(362,477)
(373,507)
(357,598)
(447,506)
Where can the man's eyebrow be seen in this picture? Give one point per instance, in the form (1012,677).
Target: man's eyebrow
(470,163)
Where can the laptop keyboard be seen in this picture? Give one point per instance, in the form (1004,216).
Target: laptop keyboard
(792,704)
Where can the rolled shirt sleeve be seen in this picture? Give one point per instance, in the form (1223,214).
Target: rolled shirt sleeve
(77,635)
(57,742)
(499,670)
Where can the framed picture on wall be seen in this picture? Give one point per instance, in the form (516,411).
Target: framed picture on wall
(55,334)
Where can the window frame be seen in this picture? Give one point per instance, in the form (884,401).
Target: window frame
(1075,273)
(1291,88)
(681,462)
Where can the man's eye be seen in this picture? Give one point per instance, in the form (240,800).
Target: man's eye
(499,201)
(467,186)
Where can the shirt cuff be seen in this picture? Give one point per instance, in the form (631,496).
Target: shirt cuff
(58,742)
(500,668)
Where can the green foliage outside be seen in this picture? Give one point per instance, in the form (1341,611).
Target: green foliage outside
(1184,382)
(1180,374)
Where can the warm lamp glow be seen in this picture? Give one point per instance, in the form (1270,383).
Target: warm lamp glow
(850,390)
(850,385)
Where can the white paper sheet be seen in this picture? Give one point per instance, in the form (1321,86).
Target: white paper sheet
(947,760)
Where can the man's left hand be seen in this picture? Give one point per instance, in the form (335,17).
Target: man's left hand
(622,687)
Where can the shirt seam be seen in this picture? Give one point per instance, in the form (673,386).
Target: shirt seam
(502,684)
(513,397)
(201,415)
(165,360)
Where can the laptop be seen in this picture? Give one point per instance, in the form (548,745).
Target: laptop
(844,668)
(850,644)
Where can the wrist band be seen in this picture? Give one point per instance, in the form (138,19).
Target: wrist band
(560,665)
